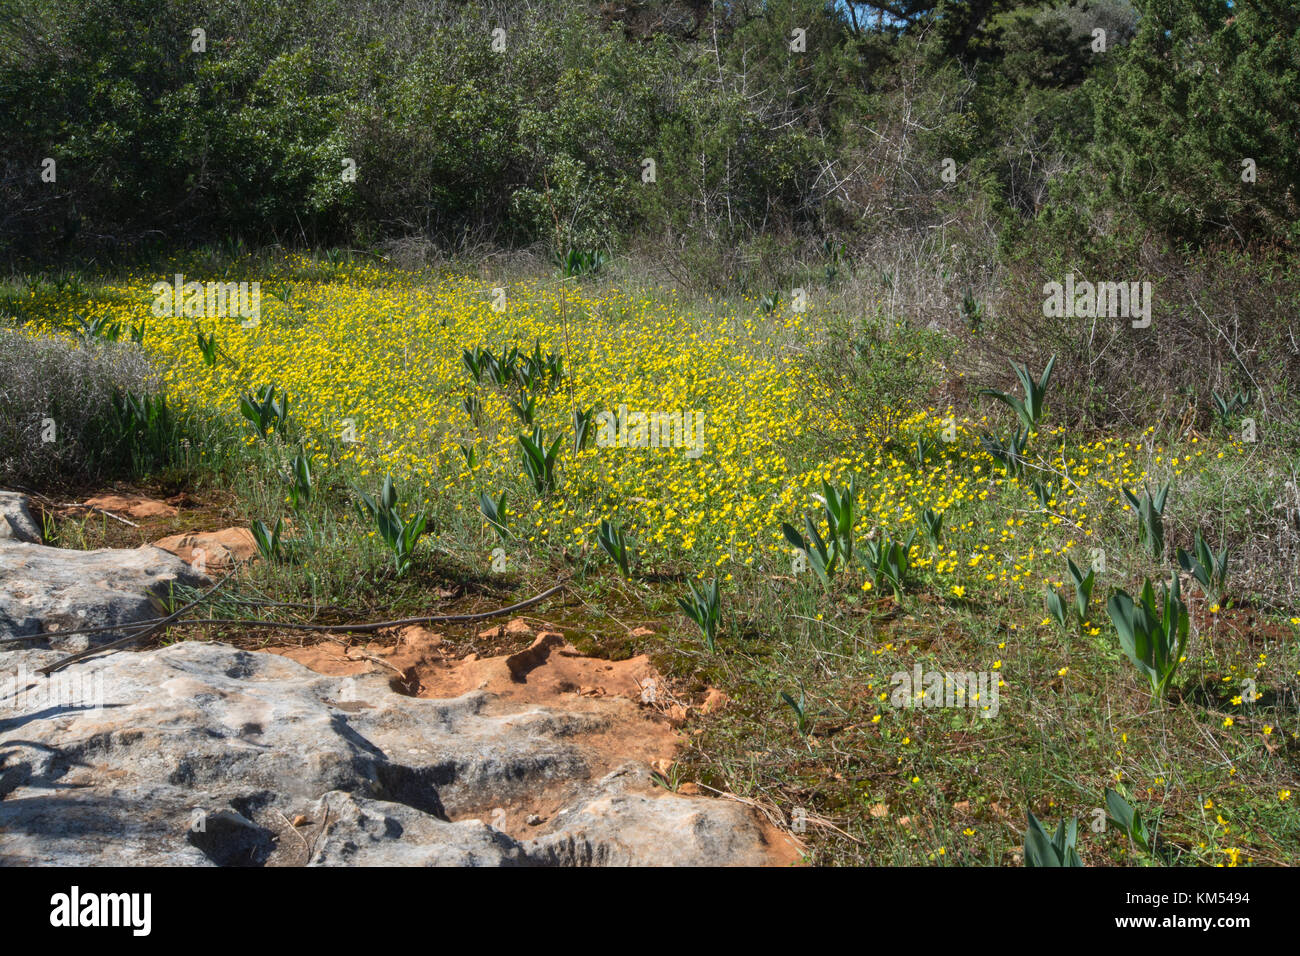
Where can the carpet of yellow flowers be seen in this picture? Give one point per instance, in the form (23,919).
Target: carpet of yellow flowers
(372,360)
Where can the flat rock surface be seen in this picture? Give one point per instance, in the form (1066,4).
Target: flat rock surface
(333,753)
(203,753)
(46,590)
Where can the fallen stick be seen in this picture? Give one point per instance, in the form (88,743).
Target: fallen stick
(147,622)
(102,511)
(380,625)
(143,632)
(149,627)
(134,625)
(259,622)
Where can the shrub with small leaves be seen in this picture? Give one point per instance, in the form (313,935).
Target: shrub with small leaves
(78,388)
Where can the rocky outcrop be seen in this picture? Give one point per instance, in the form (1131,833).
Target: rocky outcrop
(203,753)
(16,521)
(44,590)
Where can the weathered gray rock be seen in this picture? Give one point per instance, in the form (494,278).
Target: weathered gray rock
(203,753)
(16,521)
(45,590)
(627,821)
(366,832)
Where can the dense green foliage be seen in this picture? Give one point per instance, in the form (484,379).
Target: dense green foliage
(947,159)
(460,142)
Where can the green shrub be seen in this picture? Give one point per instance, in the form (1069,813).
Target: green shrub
(65,413)
(873,374)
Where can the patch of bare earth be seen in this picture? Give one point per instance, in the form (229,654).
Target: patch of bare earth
(624,708)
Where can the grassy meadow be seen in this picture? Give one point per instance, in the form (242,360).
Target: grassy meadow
(928,523)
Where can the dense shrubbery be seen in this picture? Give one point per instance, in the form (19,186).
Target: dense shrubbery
(950,160)
(1222,321)
(456,141)
(451,139)
(79,410)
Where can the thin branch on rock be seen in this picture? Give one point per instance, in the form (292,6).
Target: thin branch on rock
(130,638)
(147,628)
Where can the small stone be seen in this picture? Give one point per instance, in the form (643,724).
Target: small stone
(714,701)
(217,550)
(133,506)
(518,627)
